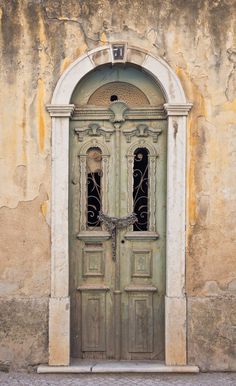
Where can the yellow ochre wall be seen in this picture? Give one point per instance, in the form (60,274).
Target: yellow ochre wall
(39,40)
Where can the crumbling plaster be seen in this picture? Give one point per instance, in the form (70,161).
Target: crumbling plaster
(38,40)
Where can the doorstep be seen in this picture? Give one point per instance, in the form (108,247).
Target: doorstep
(110,366)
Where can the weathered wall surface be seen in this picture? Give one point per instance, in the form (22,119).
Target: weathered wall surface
(38,40)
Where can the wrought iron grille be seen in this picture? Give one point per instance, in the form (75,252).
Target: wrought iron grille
(140,189)
(94,183)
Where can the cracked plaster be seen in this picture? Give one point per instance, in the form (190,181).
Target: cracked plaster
(39,40)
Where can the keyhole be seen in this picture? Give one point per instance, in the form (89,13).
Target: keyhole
(122,241)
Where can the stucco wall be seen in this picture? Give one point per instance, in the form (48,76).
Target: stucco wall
(39,39)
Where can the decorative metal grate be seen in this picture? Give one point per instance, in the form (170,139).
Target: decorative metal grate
(125,92)
(94,180)
(140,189)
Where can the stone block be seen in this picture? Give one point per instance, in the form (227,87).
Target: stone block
(101,57)
(175,331)
(135,56)
(59,331)
(212,333)
(23,332)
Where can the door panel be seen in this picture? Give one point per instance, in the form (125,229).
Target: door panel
(93,321)
(117,167)
(140,322)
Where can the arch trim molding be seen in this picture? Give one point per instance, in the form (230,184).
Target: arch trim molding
(177,109)
(157,67)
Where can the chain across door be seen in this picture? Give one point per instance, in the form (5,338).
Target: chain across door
(117,232)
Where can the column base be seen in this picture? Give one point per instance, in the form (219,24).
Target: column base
(175,331)
(59,331)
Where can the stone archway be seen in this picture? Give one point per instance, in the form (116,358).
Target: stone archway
(177,110)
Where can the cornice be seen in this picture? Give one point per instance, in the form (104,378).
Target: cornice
(98,113)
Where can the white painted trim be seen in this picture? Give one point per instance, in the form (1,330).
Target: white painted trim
(177,109)
(155,66)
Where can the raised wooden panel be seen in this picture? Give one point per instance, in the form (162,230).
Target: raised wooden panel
(93,321)
(140,323)
(93,261)
(141,263)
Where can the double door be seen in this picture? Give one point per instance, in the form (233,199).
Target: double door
(117,233)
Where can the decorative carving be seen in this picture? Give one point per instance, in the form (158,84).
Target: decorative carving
(114,223)
(142,130)
(118,108)
(94,130)
(103,114)
(141,263)
(93,261)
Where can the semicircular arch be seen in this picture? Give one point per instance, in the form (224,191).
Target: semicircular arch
(151,149)
(156,67)
(94,143)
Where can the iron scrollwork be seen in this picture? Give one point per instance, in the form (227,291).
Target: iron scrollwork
(112,224)
(94,178)
(140,189)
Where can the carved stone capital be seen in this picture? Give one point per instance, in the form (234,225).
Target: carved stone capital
(60,111)
(177,109)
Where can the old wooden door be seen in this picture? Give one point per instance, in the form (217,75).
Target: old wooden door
(117,231)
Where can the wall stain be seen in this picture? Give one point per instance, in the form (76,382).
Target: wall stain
(40,116)
(103,38)
(175,126)
(44,208)
(66,62)
(195,152)
(20,178)
(198,110)
(23,125)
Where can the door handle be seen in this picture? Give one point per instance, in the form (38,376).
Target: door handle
(113,223)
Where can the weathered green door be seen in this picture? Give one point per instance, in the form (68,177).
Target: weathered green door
(117,231)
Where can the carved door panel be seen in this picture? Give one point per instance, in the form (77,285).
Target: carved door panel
(117,232)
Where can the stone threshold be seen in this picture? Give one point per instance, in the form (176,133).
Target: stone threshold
(111,366)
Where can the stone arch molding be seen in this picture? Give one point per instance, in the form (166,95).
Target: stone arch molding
(158,68)
(177,110)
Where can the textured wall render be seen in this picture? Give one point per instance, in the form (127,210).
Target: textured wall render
(38,40)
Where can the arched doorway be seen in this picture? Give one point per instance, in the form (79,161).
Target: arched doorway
(61,111)
(117,215)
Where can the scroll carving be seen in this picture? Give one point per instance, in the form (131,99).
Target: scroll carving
(118,109)
(142,130)
(94,130)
